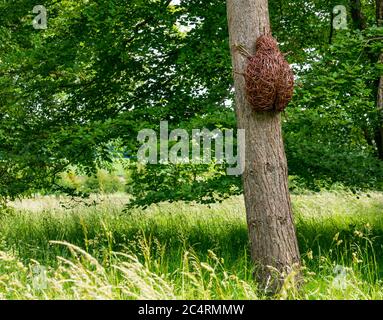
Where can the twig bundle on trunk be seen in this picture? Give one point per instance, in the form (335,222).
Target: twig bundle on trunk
(269,78)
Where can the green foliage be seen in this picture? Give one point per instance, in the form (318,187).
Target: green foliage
(102,182)
(331,122)
(181,182)
(78,91)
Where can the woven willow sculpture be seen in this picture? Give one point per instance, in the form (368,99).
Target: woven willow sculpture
(269,78)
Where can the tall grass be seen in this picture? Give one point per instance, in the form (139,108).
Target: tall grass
(183,251)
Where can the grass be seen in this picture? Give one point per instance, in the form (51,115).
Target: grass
(183,251)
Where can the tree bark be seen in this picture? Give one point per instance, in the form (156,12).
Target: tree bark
(271,228)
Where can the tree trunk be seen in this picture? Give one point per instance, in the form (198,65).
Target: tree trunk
(357,15)
(379,98)
(331,27)
(379,12)
(268,208)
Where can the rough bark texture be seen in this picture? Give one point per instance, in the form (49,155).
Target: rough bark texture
(268,207)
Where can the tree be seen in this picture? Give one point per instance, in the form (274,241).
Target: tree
(379,97)
(358,17)
(52,112)
(359,21)
(268,207)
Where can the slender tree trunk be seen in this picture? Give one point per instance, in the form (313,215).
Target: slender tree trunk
(379,12)
(331,27)
(379,98)
(357,15)
(271,228)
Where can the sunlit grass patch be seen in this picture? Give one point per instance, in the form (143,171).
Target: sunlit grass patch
(183,251)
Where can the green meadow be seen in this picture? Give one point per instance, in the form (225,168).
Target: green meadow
(54,248)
